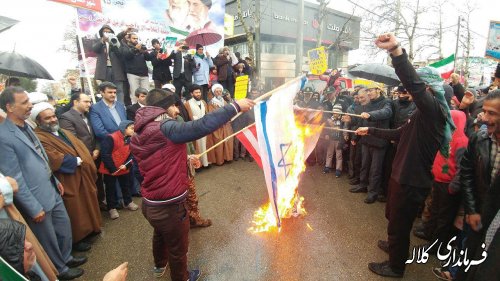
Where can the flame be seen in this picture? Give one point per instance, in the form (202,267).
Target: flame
(289,201)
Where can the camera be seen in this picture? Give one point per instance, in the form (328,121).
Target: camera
(113,41)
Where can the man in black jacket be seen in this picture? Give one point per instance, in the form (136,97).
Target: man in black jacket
(419,140)
(183,69)
(135,56)
(140,95)
(355,159)
(378,114)
(480,186)
(161,65)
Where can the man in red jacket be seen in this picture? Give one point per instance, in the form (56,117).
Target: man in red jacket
(160,150)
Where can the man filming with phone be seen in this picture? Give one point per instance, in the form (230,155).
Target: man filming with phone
(161,62)
(183,68)
(135,56)
(109,67)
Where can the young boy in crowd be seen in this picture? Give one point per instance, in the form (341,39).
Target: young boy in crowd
(335,140)
(115,166)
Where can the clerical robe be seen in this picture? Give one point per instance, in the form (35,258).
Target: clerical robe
(80,191)
(196,110)
(223,152)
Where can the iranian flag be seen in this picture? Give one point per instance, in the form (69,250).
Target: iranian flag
(445,66)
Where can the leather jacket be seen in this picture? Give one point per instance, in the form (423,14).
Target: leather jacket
(475,172)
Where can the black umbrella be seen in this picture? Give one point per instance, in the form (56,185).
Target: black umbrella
(377,72)
(14,64)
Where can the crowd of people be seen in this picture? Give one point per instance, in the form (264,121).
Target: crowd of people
(427,148)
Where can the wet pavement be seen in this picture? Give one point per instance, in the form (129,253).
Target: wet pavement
(334,241)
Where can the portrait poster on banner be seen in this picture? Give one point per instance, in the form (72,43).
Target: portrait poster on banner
(493,42)
(317,60)
(152,19)
(241,87)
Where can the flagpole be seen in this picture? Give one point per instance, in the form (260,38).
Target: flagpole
(326,111)
(84,58)
(222,141)
(272,92)
(338,129)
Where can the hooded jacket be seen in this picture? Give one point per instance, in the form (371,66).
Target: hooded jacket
(445,169)
(12,235)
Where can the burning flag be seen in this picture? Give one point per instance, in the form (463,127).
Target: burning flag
(284,142)
(248,138)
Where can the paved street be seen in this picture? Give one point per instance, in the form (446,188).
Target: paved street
(338,245)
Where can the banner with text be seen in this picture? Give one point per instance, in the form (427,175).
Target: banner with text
(317,60)
(162,20)
(241,87)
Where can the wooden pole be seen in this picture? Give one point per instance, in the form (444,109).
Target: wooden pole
(326,111)
(272,92)
(338,129)
(222,141)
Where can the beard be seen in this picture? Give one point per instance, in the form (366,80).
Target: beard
(197,98)
(49,127)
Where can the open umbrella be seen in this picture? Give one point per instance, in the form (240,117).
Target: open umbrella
(6,23)
(377,72)
(14,64)
(203,37)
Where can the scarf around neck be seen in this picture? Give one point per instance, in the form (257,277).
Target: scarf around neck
(432,78)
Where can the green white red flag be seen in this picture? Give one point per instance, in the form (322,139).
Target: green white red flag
(445,66)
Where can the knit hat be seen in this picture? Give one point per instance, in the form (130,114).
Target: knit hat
(337,109)
(308,90)
(124,125)
(329,90)
(39,107)
(433,79)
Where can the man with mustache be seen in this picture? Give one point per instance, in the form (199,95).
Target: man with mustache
(480,185)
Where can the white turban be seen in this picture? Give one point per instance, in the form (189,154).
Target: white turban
(39,107)
(217,86)
(37,97)
(169,87)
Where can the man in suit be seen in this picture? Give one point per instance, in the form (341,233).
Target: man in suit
(38,198)
(140,95)
(106,115)
(77,122)
(183,68)
(109,67)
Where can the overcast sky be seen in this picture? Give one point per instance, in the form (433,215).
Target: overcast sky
(40,32)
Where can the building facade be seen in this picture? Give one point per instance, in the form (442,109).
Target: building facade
(278,33)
